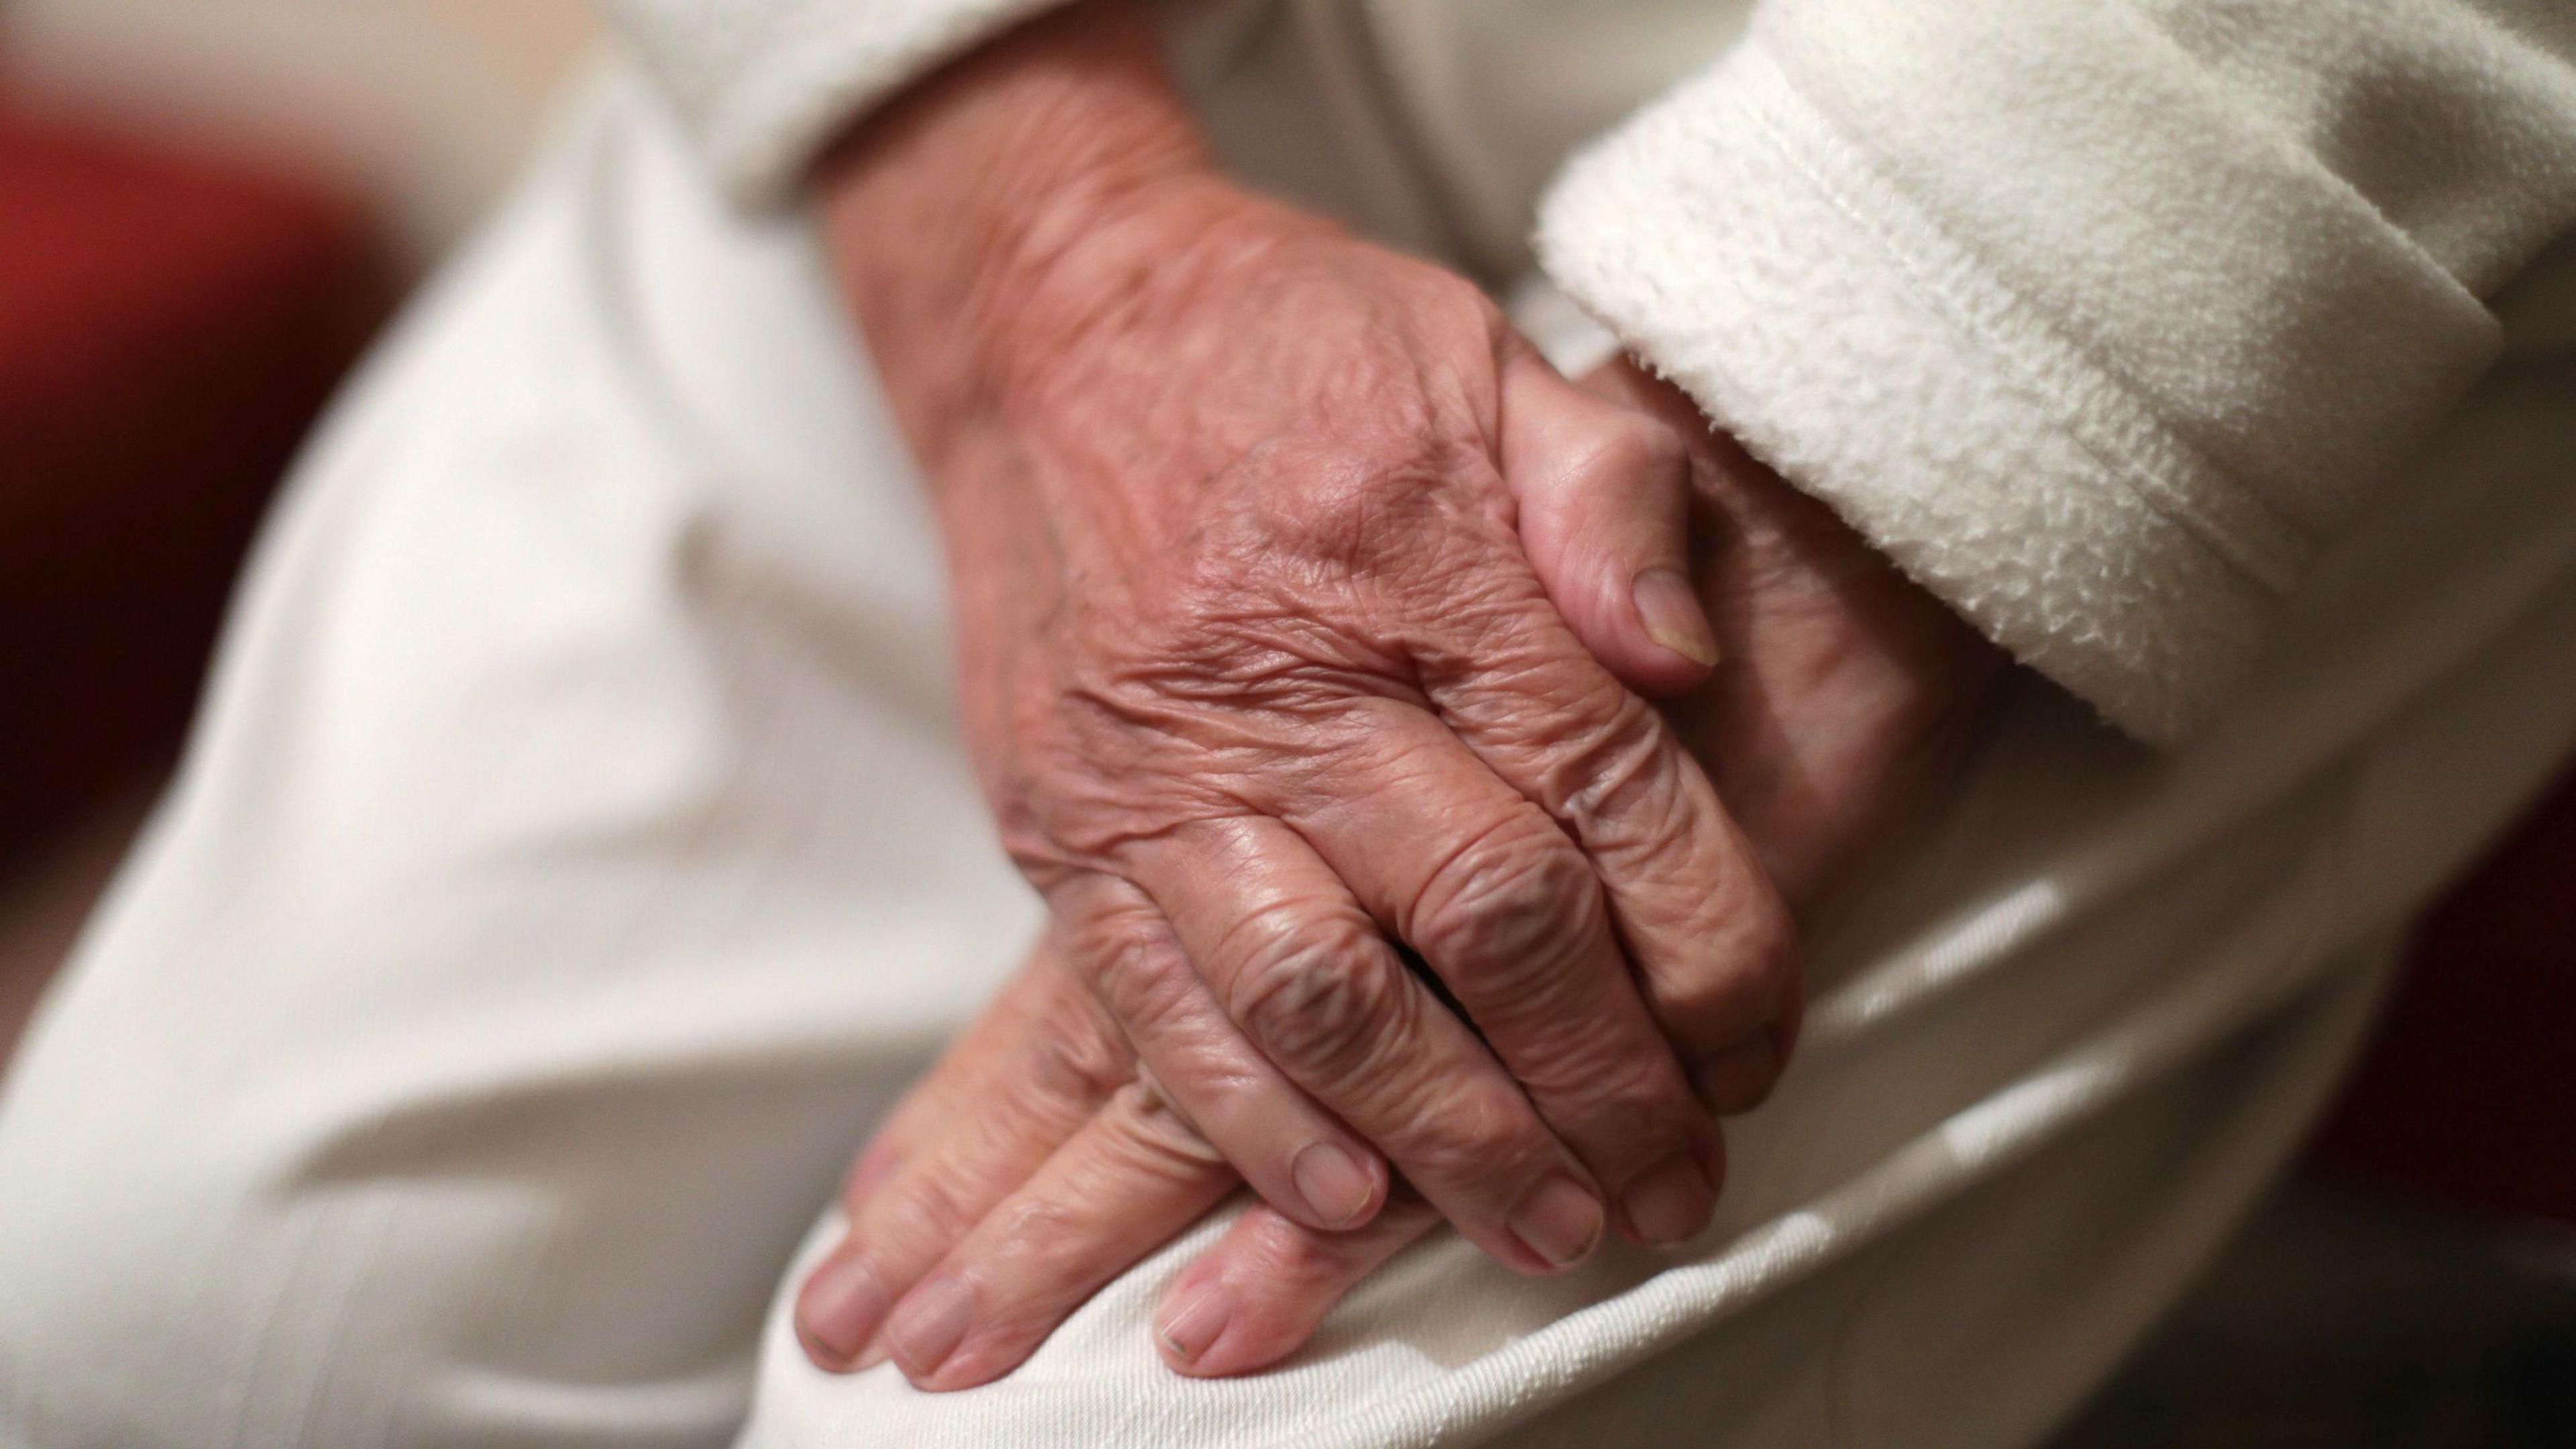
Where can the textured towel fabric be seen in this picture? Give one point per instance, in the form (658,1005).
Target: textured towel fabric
(2100,316)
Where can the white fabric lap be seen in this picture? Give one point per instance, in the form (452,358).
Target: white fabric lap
(577,855)
(575,859)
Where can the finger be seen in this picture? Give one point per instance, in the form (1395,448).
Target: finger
(1603,497)
(1256,1295)
(1740,1078)
(1133,1178)
(1509,914)
(1031,1071)
(1041,1044)
(1313,981)
(1298,1156)
(1709,936)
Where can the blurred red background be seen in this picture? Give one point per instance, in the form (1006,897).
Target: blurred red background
(169,327)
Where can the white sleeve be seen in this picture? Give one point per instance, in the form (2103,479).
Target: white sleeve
(2101,318)
(766,84)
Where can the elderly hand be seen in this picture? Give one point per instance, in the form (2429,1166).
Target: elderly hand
(1037,1162)
(1260,680)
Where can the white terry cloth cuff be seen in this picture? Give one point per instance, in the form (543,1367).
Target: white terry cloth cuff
(766,84)
(1745,250)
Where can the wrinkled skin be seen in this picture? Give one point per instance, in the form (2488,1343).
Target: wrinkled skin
(1260,678)
(1037,1161)
(1302,611)
(1269,679)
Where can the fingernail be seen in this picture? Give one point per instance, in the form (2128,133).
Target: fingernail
(1672,615)
(841,1304)
(929,1323)
(1559,1220)
(1669,1201)
(1332,1182)
(1196,1325)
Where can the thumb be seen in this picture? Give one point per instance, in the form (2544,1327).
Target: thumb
(1603,493)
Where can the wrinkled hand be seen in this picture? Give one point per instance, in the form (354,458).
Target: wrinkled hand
(1260,679)
(1037,1162)
(1846,690)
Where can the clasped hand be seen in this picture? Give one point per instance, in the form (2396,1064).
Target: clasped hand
(1302,611)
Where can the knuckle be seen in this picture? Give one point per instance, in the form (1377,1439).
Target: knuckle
(1661,445)
(1077,1058)
(1033,1223)
(1110,944)
(1155,1124)
(1143,983)
(1633,447)
(1478,1136)
(1752,982)
(1512,910)
(1321,995)
(1617,1094)
(1640,1095)
(928,1211)
(1341,505)
(1618,776)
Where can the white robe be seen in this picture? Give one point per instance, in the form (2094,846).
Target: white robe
(576,856)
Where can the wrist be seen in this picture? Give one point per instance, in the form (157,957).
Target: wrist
(949,216)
